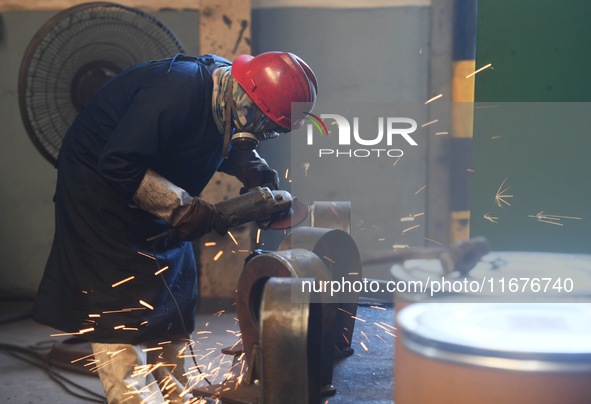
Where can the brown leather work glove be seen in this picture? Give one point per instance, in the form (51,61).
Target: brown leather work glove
(196,219)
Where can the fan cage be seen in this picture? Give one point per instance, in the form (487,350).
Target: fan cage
(82,46)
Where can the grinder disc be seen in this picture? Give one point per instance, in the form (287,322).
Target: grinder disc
(297,214)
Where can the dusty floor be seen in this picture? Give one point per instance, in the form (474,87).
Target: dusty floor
(366,376)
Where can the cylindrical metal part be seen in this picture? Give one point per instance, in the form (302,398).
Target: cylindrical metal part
(490,353)
(331,215)
(290,346)
(295,263)
(339,253)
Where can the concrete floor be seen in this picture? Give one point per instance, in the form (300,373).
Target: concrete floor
(366,376)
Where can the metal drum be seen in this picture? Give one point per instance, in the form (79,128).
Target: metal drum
(493,353)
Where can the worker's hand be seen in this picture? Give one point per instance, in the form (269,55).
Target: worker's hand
(197,219)
(260,175)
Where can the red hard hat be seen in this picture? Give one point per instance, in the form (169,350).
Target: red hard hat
(274,80)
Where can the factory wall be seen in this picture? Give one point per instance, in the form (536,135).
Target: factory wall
(361,52)
(364,51)
(527,136)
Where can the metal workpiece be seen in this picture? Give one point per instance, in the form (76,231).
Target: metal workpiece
(339,253)
(296,263)
(331,215)
(290,346)
(291,331)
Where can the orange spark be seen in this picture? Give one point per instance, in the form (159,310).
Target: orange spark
(410,228)
(161,270)
(157,348)
(433,241)
(492,219)
(433,98)
(84,357)
(345,311)
(479,70)
(306,166)
(218,255)
(365,336)
(381,326)
(500,196)
(232,237)
(328,259)
(429,123)
(552,219)
(122,281)
(149,306)
(388,325)
(123,310)
(395,246)
(146,255)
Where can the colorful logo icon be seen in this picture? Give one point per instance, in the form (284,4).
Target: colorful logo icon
(318,122)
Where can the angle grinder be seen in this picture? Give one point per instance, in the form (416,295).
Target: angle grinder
(270,209)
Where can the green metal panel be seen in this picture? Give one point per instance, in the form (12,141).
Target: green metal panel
(540,58)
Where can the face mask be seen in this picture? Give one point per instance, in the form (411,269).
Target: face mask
(250,141)
(244,125)
(249,121)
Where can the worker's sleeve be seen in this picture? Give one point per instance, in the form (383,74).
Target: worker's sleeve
(142,133)
(250,168)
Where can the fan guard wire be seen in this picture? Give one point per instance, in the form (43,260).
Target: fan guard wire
(73,54)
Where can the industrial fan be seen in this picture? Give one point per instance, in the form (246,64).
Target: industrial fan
(76,52)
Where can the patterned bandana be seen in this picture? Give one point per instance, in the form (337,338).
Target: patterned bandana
(246,116)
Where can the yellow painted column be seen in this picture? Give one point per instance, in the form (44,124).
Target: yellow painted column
(464,53)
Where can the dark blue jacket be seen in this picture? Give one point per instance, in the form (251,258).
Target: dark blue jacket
(155,115)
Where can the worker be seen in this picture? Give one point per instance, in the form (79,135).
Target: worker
(131,166)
